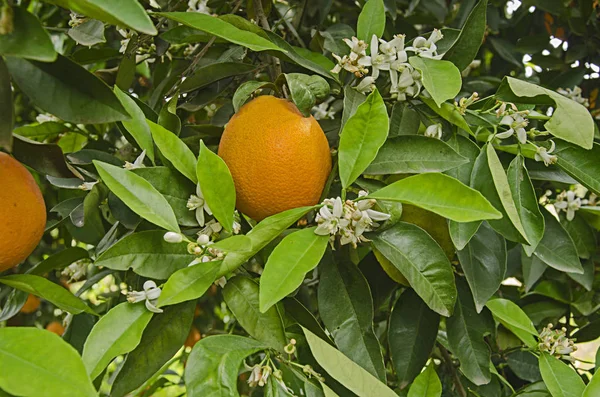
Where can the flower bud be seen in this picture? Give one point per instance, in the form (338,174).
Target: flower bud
(172,237)
(203,239)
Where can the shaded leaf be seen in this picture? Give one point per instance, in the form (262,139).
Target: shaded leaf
(28,40)
(556,248)
(466,46)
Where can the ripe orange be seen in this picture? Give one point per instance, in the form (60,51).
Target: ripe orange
(22,211)
(56,327)
(193,337)
(278,158)
(31,305)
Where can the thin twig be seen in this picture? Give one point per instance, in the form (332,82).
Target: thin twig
(192,68)
(448,360)
(260,13)
(292,29)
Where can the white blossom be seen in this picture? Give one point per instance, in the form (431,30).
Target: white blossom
(426,48)
(46,117)
(126,37)
(366,85)
(75,271)
(568,202)
(197,203)
(378,61)
(574,95)
(434,131)
(517,124)
(200,6)
(543,154)
(323,110)
(150,295)
(137,163)
(173,237)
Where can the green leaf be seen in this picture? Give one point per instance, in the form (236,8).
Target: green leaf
(533,269)
(352,100)
(346,308)
(163,337)
(242,297)
(466,331)
(6,108)
(246,90)
(421,260)
(89,33)
(441,194)
(412,331)
(556,248)
(136,125)
(504,192)
(128,13)
(561,380)
(213,72)
(362,136)
(593,388)
(46,289)
(222,29)
(346,371)
(371,20)
(43,83)
(213,365)
(513,318)
(570,120)
(306,90)
(297,254)
(440,78)
(175,187)
(28,40)
(427,384)
(262,234)
(36,362)
(412,154)
(147,254)
(118,332)
(301,315)
(139,195)
(403,121)
(472,34)
(579,163)
(59,260)
(525,365)
(484,262)
(582,235)
(168,116)
(188,283)
(217,186)
(174,150)
(526,202)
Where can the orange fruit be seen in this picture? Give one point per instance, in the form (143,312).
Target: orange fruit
(22,211)
(193,337)
(31,304)
(56,327)
(278,158)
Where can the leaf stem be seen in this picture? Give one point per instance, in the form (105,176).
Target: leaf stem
(448,360)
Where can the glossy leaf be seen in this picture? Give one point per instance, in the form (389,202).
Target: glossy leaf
(533,269)
(449,113)
(513,318)
(128,13)
(441,194)
(213,365)
(421,260)
(118,332)
(28,40)
(561,380)
(582,235)
(306,90)
(483,261)
(64,79)
(346,308)
(162,338)
(59,260)
(466,331)
(36,362)
(414,154)
(261,235)
(427,384)
(593,388)
(403,121)
(371,20)
(47,290)
(525,365)
(89,33)
(440,78)
(352,100)
(174,150)
(412,332)
(217,186)
(570,120)
(472,34)
(139,195)
(362,136)
(579,163)
(220,28)
(188,283)
(246,90)
(557,249)
(297,254)
(136,125)
(214,72)
(6,108)
(242,297)
(346,371)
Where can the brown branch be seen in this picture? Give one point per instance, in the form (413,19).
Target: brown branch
(448,361)
(260,13)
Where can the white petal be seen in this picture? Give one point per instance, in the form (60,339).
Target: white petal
(200,216)
(378,216)
(150,306)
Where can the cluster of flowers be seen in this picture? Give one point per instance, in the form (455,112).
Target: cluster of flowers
(569,201)
(574,95)
(390,56)
(349,220)
(556,342)
(150,295)
(76,270)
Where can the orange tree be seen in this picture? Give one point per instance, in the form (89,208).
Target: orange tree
(299,198)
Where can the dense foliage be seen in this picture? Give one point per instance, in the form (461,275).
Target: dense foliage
(453,253)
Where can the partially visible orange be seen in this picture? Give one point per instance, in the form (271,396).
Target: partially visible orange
(31,305)
(278,158)
(193,337)
(22,213)
(56,327)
